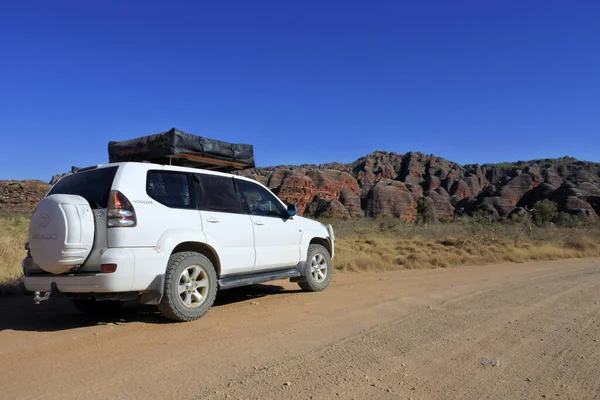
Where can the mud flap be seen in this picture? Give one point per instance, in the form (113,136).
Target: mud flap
(303,267)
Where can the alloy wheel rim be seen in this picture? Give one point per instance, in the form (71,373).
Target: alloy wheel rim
(318,268)
(193,286)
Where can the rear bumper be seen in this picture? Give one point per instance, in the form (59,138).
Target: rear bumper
(88,283)
(124,279)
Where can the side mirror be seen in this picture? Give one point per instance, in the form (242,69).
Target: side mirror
(292,210)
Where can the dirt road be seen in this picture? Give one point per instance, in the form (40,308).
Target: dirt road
(406,334)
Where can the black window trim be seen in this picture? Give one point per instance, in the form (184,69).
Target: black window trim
(245,207)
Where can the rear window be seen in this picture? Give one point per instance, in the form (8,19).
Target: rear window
(94,185)
(171,189)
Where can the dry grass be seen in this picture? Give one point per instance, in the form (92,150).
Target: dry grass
(379,245)
(13,235)
(387,244)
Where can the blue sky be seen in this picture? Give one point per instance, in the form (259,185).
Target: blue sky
(303,81)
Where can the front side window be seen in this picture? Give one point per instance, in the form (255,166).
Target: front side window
(171,189)
(259,201)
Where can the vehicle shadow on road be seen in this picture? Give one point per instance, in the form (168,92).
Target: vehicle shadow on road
(21,314)
(246,293)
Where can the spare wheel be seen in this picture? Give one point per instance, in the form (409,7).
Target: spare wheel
(61,233)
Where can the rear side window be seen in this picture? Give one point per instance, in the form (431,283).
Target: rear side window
(93,185)
(171,189)
(218,193)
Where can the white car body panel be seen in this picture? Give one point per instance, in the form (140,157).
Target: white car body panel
(277,242)
(232,237)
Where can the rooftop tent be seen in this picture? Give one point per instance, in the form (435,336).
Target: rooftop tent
(175,147)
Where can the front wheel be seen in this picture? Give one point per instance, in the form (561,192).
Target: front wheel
(319,269)
(190,287)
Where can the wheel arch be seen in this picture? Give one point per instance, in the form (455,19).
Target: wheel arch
(325,242)
(202,248)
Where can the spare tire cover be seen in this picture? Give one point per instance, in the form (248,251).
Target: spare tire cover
(61,233)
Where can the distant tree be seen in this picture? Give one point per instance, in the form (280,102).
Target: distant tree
(544,211)
(425,211)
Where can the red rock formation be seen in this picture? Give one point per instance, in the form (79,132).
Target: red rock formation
(516,188)
(414,169)
(328,209)
(366,180)
(472,183)
(297,189)
(278,176)
(460,189)
(443,209)
(415,190)
(432,183)
(386,172)
(330,183)
(388,198)
(21,196)
(259,178)
(502,206)
(352,203)
(389,183)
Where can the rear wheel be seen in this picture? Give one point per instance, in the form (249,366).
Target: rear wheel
(190,287)
(319,270)
(96,308)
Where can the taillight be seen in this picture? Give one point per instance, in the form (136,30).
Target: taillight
(120,211)
(108,268)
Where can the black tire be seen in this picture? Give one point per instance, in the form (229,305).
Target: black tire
(314,282)
(174,305)
(94,308)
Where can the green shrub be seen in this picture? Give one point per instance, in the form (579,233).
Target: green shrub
(545,211)
(483,217)
(565,219)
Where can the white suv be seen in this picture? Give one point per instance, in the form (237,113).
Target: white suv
(169,235)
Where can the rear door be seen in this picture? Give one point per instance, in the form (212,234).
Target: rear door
(276,234)
(94,186)
(227,227)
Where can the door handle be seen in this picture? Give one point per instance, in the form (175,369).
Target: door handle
(259,222)
(212,220)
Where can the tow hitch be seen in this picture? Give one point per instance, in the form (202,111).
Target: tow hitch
(37,299)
